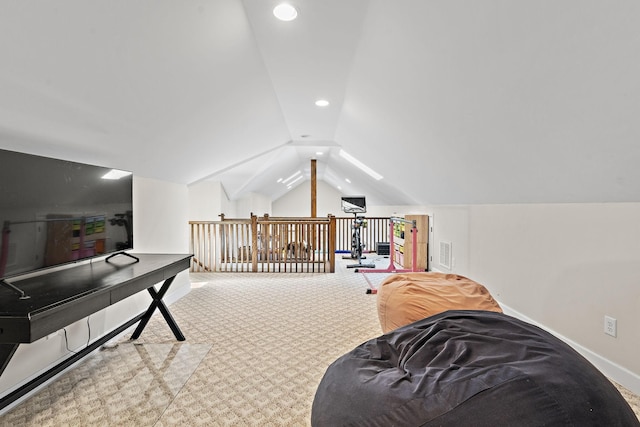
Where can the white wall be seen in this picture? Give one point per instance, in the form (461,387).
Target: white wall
(253,203)
(451,224)
(399,211)
(161,217)
(297,202)
(159,226)
(562,266)
(207,200)
(227,206)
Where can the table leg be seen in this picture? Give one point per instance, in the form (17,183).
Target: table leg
(6,353)
(159,304)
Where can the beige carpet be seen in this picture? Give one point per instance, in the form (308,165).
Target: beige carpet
(257,346)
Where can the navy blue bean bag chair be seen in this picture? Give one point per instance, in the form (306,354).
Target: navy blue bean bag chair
(467,368)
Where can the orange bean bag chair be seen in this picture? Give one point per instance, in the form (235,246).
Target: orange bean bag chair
(408,297)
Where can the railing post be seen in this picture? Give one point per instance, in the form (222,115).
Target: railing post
(332,243)
(192,245)
(254,243)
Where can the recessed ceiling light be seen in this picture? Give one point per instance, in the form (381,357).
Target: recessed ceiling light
(285,12)
(348,180)
(319,153)
(322,103)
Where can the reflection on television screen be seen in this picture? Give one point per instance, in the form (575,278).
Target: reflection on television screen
(56,211)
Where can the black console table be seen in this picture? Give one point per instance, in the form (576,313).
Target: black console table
(59,298)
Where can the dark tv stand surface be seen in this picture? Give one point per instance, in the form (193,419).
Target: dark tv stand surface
(62,297)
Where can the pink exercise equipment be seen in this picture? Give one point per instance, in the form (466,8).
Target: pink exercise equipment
(392,266)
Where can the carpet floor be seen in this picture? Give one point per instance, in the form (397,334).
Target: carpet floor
(257,346)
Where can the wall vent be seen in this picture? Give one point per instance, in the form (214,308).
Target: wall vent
(445,255)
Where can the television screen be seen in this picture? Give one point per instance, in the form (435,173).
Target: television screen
(354,204)
(54,212)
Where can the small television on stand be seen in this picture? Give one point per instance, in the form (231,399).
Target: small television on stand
(55,212)
(354,204)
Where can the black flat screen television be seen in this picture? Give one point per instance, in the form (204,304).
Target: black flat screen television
(55,212)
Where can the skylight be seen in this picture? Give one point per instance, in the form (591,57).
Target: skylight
(375,175)
(291,177)
(294,181)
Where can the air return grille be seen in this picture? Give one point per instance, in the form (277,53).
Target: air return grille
(445,255)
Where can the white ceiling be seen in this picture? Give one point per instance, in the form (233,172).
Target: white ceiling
(459,101)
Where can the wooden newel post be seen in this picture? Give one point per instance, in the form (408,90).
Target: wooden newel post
(314,212)
(332,243)
(254,243)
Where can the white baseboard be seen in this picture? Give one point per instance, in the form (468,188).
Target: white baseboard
(612,370)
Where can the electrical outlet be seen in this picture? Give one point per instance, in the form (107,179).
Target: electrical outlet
(610,326)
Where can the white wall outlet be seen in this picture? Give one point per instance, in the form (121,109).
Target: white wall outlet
(610,326)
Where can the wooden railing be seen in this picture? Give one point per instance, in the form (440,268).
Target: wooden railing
(264,244)
(375,231)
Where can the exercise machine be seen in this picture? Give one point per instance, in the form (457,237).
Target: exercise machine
(356,244)
(356,205)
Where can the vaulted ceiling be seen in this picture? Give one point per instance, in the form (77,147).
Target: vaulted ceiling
(460,101)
